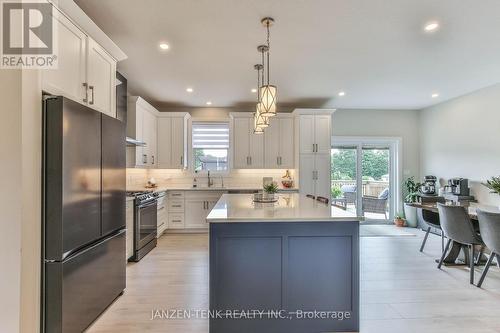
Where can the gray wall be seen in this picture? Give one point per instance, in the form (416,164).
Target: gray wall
(384,123)
(461,138)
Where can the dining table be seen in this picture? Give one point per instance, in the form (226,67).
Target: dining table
(452,258)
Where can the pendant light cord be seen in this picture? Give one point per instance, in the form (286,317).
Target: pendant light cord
(268,50)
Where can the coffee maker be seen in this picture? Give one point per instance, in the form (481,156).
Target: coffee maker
(429,185)
(458,186)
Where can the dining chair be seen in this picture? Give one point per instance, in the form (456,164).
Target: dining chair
(431,220)
(457,226)
(489,226)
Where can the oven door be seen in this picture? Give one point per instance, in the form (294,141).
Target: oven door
(145,224)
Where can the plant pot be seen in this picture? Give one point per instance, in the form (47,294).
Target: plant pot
(399,222)
(268,196)
(411,216)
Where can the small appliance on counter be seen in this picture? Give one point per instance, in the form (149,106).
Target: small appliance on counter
(458,186)
(429,185)
(457,190)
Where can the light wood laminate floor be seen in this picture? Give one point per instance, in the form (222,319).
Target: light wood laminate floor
(401,289)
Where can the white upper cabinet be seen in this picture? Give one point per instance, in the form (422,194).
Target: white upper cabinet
(149,136)
(323,134)
(179,143)
(164,142)
(85,72)
(279,143)
(248,148)
(315,134)
(70,77)
(313,128)
(306,134)
(172,140)
(241,143)
(101,71)
(142,126)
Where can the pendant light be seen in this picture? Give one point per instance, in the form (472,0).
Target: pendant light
(260,122)
(267,92)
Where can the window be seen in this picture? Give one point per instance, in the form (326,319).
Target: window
(210,146)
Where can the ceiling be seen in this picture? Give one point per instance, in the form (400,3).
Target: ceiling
(374,50)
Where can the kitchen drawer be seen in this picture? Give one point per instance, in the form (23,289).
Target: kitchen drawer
(205,195)
(176,194)
(176,221)
(176,205)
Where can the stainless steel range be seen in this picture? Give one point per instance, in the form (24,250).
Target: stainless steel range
(145,215)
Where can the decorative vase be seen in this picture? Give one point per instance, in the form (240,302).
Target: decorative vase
(411,215)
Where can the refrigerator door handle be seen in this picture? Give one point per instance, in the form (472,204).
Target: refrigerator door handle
(71,254)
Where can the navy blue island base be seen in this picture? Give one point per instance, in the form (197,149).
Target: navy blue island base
(284,277)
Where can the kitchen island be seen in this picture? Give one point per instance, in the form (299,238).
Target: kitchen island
(291,266)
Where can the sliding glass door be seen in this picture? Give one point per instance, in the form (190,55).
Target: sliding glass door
(370,165)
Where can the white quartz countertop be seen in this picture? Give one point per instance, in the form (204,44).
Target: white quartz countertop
(290,207)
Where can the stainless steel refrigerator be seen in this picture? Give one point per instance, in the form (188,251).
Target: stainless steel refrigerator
(84,214)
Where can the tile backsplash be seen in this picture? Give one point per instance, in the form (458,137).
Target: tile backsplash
(170,177)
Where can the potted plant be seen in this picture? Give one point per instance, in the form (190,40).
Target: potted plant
(412,193)
(399,220)
(270,190)
(493,184)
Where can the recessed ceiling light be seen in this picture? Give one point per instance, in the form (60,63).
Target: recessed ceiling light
(431,26)
(342,93)
(209,103)
(189,90)
(254,90)
(164,46)
(435,95)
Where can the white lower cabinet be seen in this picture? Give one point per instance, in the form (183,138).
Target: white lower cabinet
(129,218)
(162,215)
(188,210)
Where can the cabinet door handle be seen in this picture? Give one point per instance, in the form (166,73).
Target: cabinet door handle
(144,158)
(91,88)
(161,208)
(86,98)
(281,161)
(153,157)
(277,160)
(250,160)
(182,160)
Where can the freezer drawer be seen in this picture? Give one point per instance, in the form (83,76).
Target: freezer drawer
(80,288)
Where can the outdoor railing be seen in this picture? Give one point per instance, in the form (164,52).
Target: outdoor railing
(370,187)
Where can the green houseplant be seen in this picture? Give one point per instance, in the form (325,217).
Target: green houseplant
(493,184)
(412,191)
(270,190)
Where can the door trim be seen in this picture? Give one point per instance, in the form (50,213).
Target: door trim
(395,145)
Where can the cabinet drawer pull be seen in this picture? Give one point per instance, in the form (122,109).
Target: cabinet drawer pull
(177,206)
(177,221)
(160,208)
(91,94)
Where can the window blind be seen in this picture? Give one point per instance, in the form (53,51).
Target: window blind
(210,135)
